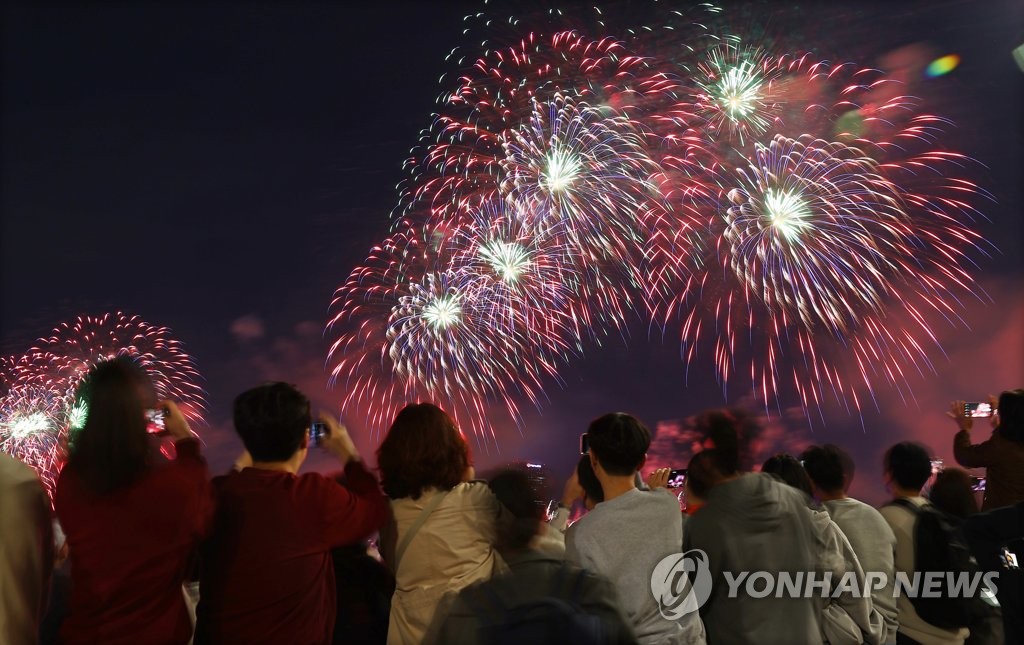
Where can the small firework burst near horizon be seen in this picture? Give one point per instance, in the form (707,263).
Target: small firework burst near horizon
(38,404)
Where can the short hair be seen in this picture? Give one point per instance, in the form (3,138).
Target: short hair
(719,427)
(619,442)
(849,466)
(788,469)
(824,466)
(700,473)
(588,480)
(423,449)
(1011,415)
(272,420)
(521,498)
(952,493)
(908,464)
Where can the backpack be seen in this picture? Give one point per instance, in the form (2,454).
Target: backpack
(552,618)
(939,546)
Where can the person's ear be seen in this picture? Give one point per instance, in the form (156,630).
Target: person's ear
(305,441)
(594,464)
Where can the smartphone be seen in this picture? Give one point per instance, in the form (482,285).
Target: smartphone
(155,421)
(317,432)
(1009,559)
(676,478)
(584,444)
(978,409)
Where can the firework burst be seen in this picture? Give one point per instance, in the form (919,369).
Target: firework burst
(814,228)
(34,425)
(38,408)
(782,210)
(451,335)
(61,360)
(735,91)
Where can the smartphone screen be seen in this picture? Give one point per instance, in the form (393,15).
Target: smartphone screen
(316,433)
(677,478)
(978,409)
(155,421)
(584,444)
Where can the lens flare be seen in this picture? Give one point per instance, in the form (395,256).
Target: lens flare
(942,66)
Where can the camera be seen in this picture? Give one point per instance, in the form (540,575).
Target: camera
(978,409)
(317,431)
(155,420)
(584,444)
(676,478)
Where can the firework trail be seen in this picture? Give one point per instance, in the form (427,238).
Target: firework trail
(38,407)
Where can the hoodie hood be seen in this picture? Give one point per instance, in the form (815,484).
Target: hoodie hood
(757,499)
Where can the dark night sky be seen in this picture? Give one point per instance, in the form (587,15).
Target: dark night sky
(221,168)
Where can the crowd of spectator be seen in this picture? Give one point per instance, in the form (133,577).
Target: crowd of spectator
(158,552)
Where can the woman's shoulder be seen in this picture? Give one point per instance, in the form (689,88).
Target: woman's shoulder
(470,499)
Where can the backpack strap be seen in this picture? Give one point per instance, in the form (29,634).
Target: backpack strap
(903,502)
(434,502)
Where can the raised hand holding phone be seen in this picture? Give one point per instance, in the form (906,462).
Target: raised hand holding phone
(958,412)
(337,440)
(174,421)
(658,478)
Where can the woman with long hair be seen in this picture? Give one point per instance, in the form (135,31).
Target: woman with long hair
(441,531)
(132,523)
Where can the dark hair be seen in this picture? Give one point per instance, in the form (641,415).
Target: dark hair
(112,448)
(423,449)
(788,469)
(1011,415)
(824,466)
(701,472)
(588,480)
(908,464)
(720,429)
(619,442)
(952,493)
(520,497)
(849,466)
(272,420)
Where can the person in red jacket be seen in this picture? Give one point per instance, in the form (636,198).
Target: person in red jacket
(266,574)
(132,523)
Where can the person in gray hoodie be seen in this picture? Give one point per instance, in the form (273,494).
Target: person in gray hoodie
(868,532)
(848,616)
(752,522)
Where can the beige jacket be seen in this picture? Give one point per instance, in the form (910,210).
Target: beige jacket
(902,522)
(26,552)
(452,549)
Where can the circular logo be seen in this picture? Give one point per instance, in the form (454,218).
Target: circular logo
(681,583)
